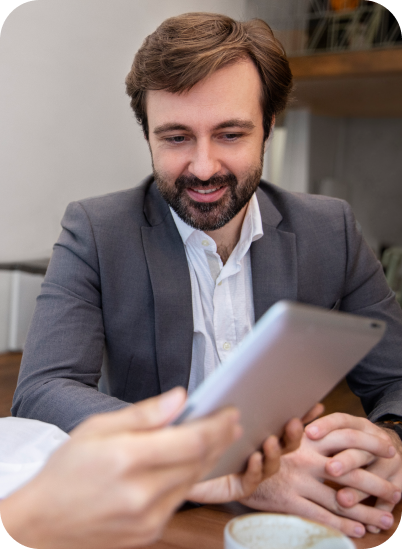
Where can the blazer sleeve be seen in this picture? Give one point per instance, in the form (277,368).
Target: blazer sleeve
(377,380)
(62,359)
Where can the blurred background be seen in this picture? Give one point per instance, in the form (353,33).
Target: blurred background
(67,131)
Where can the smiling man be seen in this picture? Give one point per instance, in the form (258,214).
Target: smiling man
(167,278)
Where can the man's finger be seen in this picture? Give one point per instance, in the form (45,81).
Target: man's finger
(343,439)
(292,436)
(272,456)
(347,497)
(230,487)
(382,468)
(316,411)
(364,514)
(253,475)
(324,425)
(383,520)
(386,505)
(317,512)
(367,483)
(347,460)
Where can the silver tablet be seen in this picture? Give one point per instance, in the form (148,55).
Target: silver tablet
(292,358)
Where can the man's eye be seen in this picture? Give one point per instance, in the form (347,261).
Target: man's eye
(232,136)
(176,139)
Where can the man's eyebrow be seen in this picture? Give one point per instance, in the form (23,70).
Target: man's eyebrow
(171,127)
(236,123)
(232,123)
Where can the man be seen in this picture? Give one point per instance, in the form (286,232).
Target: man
(169,276)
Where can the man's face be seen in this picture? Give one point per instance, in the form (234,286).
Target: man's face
(207,145)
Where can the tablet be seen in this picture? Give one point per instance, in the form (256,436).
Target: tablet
(291,359)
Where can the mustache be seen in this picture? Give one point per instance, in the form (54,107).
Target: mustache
(185,182)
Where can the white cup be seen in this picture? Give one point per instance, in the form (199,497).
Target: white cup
(272,531)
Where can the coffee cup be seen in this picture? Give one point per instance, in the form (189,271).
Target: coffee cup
(274,531)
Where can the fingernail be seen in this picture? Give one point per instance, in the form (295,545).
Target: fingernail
(374,530)
(386,521)
(396,497)
(360,531)
(335,467)
(312,430)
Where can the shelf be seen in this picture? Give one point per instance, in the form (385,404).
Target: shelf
(358,63)
(364,83)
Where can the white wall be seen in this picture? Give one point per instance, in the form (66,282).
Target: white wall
(287,159)
(66,128)
(295,174)
(279,14)
(275,156)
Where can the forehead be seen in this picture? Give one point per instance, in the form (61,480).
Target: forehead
(229,93)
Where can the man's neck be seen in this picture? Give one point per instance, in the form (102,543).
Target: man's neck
(228,236)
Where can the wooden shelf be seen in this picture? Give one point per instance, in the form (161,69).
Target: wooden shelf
(358,63)
(364,83)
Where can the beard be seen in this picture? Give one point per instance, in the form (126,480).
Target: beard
(208,216)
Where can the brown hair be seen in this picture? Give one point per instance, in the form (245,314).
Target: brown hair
(185,49)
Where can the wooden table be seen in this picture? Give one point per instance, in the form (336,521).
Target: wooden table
(202,528)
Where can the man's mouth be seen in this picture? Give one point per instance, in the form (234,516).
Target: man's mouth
(206,195)
(206,192)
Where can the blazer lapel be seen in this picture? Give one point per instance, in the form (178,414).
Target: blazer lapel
(273,260)
(171,286)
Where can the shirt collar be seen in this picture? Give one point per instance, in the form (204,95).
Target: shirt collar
(251,229)
(185,230)
(252,225)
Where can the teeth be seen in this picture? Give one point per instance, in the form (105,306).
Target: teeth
(208,191)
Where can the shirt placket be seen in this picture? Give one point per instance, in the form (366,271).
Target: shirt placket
(224,319)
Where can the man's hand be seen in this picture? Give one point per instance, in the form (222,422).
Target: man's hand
(380,455)
(299,487)
(119,478)
(260,465)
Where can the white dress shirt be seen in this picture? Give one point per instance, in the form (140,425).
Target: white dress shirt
(25,447)
(222,295)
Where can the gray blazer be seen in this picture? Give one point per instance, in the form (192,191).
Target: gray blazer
(118,284)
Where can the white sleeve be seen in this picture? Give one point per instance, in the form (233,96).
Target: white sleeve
(25,446)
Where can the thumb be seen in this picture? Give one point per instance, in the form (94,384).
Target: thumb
(146,415)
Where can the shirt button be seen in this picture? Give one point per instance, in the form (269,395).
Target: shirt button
(205,242)
(220,283)
(226,346)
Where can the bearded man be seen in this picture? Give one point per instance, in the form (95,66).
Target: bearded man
(166,278)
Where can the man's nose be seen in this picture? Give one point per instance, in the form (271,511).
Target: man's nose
(204,162)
